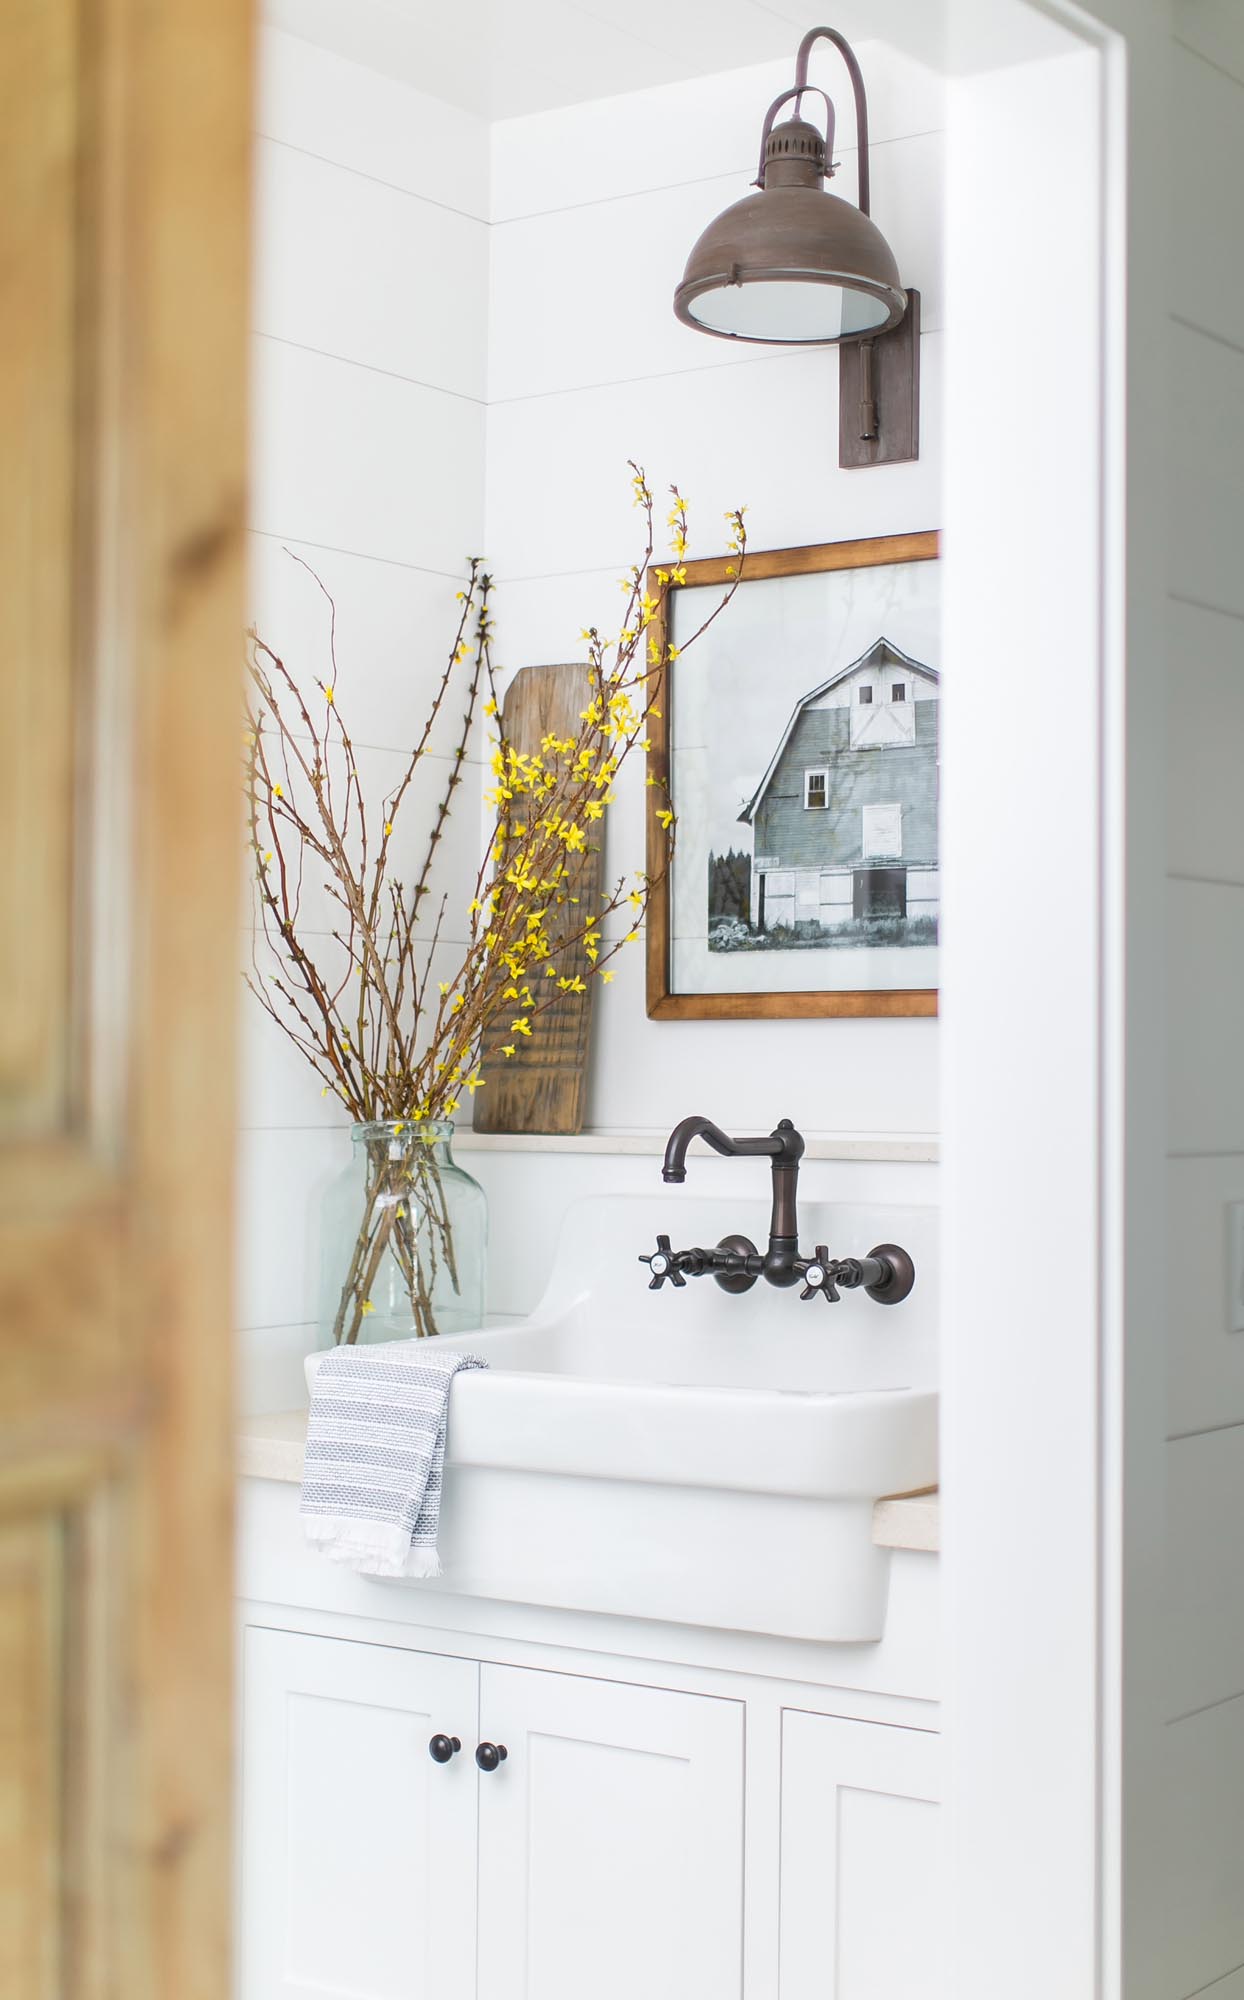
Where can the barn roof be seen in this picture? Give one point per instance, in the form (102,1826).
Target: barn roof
(882,652)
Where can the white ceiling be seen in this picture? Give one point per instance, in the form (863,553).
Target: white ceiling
(504,58)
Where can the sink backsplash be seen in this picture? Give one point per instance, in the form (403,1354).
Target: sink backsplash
(602,1238)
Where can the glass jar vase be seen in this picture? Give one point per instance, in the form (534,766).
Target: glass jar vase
(404,1234)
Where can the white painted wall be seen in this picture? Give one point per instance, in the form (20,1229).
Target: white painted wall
(1021,1028)
(1204,1685)
(371,291)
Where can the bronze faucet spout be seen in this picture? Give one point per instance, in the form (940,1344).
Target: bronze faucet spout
(783,1144)
(784,1147)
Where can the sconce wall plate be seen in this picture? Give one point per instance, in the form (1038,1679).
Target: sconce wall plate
(879,395)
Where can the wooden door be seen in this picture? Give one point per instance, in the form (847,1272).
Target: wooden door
(358,1849)
(610,1841)
(861,1861)
(123,255)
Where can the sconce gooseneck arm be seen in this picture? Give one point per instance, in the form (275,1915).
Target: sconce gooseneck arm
(847,53)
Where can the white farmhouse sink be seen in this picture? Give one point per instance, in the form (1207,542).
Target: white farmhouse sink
(689,1455)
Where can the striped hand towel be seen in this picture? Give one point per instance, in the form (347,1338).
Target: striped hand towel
(371,1487)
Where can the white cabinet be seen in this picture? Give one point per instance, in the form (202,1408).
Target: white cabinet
(610,1841)
(603,1856)
(861,1859)
(357,1850)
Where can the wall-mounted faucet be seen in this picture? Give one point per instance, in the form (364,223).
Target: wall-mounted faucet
(887,1274)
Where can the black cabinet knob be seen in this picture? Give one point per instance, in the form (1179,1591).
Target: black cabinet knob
(489,1755)
(442,1748)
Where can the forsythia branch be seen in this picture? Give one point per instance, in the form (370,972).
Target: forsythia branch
(385,1037)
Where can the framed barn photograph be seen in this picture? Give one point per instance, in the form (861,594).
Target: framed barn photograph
(798,744)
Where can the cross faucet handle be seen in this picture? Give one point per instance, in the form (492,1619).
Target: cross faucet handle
(663,1264)
(818,1276)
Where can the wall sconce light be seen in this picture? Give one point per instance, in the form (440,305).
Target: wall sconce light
(797,266)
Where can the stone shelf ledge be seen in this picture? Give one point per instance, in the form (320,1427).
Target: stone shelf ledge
(919,1147)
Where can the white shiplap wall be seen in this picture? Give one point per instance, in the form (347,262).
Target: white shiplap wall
(1205,858)
(370,310)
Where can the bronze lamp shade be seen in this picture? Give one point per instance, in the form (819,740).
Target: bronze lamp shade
(793,263)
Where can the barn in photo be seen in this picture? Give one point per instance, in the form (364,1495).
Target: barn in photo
(844,820)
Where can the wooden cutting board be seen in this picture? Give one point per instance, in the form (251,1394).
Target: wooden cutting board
(543,1087)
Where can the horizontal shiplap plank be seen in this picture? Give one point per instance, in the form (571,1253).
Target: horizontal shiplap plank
(455,859)
(726,434)
(1231,1987)
(348,458)
(1205,1565)
(1215,29)
(644,1070)
(1205,1358)
(1205,1034)
(395,629)
(1204,735)
(1203,1826)
(368,272)
(1207,287)
(348,112)
(662,136)
(282,1177)
(1207,470)
(572,259)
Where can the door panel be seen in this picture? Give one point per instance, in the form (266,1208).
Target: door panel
(124,252)
(611,1841)
(39,135)
(861,1861)
(358,1850)
(31,1697)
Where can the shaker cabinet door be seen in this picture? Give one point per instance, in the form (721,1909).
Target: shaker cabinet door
(610,1841)
(358,1848)
(861,1861)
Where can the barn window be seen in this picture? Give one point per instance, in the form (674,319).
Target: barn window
(866,694)
(899,691)
(815,790)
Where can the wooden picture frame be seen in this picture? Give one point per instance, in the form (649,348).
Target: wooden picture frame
(664,1003)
